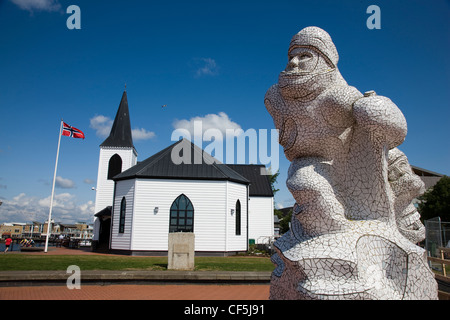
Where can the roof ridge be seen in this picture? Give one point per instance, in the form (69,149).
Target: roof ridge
(240,175)
(215,163)
(156,157)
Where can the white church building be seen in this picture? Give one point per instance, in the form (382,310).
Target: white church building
(139,203)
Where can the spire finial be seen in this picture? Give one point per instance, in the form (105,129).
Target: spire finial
(125,86)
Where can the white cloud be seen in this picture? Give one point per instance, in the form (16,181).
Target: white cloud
(102,126)
(64,183)
(23,208)
(285,203)
(38,5)
(19,197)
(219,123)
(142,134)
(86,209)
(205,67)
(63,201)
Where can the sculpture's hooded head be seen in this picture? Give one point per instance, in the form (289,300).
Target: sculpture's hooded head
(312,65)
(318,39)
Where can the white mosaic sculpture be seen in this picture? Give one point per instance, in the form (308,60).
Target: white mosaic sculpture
(353,229)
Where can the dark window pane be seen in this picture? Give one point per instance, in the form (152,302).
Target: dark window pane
(181,209)
(182,203)
(114,166)
(238,218)
(123,206)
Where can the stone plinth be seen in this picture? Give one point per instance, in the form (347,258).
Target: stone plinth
(181,251)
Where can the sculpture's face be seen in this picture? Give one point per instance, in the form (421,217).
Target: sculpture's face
(307,74)
(406,186)
(302,60)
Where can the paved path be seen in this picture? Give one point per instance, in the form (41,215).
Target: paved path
(138,292)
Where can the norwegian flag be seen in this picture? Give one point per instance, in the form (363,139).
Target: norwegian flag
(71,131)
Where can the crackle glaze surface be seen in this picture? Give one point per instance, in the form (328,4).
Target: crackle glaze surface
(353,229)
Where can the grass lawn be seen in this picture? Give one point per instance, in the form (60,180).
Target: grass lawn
(9,262)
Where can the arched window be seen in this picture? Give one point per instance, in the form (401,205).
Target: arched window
(114,166)
(181,215)
(238,218)
(123,209)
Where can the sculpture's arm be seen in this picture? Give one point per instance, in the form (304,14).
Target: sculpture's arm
(381,117)
(280,114)
(274,104)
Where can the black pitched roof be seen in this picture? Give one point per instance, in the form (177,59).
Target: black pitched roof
(120,135)
(162,166)
(104,212)
(259,183)
(424,172)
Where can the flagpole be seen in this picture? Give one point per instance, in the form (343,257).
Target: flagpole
(53,189)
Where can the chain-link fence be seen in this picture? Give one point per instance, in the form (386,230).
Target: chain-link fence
(437,236)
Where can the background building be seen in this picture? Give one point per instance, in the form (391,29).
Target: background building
(139,203)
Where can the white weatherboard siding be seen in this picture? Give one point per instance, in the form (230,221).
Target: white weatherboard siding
(150,229)
(260,218)
(236,192)
(105,188)
(122,241)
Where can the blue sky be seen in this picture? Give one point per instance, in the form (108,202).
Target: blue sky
(199,58)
